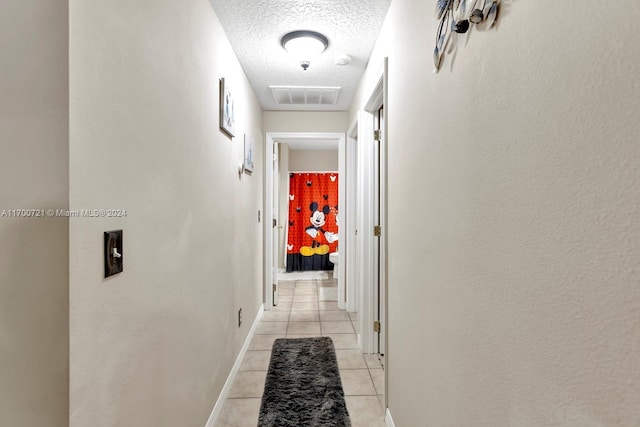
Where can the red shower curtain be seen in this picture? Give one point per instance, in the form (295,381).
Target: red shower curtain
(313,221)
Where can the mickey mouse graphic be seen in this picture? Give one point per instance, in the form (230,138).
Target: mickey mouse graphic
(315,230)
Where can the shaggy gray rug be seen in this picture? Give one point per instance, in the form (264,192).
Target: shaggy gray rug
(303,386)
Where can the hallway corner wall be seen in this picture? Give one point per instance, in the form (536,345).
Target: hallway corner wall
(313,160)
(513,217)
(299,121)
(34,255)
(153,345)
(305,121)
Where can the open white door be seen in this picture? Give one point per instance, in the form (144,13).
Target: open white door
(275,225)
(370,223)
(376,107)
(379,243)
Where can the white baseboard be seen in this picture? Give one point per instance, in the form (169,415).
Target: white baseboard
(232,375)
(388,421)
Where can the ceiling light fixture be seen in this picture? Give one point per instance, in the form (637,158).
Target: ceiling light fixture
(304,45)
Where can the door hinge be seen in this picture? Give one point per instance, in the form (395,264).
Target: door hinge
(275,287)
(377,231)
(377,135)
(376,326)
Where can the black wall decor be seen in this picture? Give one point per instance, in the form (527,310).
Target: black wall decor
(456,17)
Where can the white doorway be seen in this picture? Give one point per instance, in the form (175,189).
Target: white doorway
(271,229)
(366,226)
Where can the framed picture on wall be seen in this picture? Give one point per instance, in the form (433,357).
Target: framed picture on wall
(248,153)
(227,115)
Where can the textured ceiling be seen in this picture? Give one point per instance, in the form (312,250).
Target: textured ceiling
(255,27)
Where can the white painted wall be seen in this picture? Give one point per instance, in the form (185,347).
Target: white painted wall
(302,121)
(513,218)
(34,254)
(153,345)
(313,160)
(305,121)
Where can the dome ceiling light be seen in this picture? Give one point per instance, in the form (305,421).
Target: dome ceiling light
(304,45)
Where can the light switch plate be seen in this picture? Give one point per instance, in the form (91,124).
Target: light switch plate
(113,256)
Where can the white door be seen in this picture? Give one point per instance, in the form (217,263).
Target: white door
(380,194)
(377,249)
(274,221)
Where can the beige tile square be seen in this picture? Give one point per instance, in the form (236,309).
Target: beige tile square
(328,305)
(365,411)
(239,413)
(306,284)
(357,382)
(377,375)
(350,359)
(373,361)
(304,316)
(285,292)
(328,294)
(306,291)
(248,384)
(339,327)
(329,283)
(303,336)
(256,360)
(302,328)
(305,298)
(304,306)
(263,342)
(334,315)
(282,307)
(273,328)
(275,316)
(284,299)
(343,340)
(286,284)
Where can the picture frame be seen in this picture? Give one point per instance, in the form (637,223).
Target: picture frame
(227,109)
(248,153)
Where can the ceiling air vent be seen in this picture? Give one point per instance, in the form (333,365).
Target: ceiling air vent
(305,95)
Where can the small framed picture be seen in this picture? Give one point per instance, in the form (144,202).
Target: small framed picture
(248,153)
(227,115)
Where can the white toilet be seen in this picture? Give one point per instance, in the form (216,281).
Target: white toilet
(334,257)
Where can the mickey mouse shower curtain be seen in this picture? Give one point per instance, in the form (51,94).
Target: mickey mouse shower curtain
(313,221)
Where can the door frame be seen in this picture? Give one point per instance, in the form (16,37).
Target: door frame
(361,132)
(270,270)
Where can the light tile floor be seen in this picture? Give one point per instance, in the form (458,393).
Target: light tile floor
(301,313)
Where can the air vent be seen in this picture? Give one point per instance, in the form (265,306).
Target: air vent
(305,95)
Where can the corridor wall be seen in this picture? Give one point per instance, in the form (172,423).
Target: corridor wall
(34,177)
(153,346)
(517,165)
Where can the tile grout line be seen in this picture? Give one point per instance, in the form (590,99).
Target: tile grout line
(319,319)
